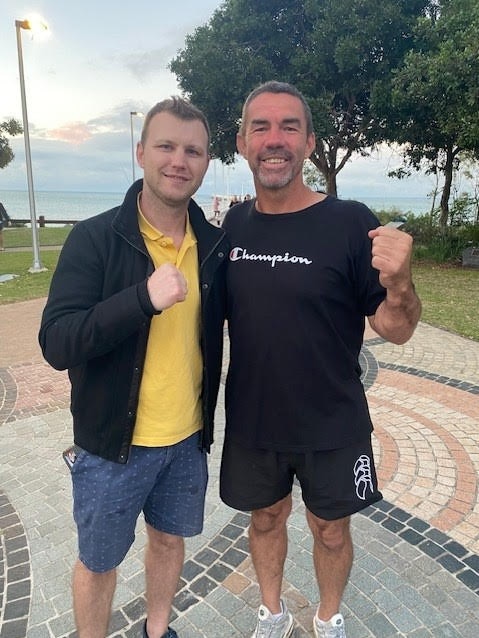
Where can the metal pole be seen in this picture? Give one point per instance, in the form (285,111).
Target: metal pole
(132,113)
(37,264)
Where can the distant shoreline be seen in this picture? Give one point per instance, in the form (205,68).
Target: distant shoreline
(77,205)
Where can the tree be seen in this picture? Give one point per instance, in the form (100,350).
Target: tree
(431,104)
(312,176)
(10,127)
(333,52)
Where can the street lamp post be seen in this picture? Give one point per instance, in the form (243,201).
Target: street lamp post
(37,264)
(132,113)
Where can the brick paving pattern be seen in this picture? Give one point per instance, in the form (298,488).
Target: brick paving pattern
(416,570)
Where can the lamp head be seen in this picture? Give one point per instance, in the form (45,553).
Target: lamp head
(35,24)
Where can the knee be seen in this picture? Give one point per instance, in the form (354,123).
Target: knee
(161,541)
(263,522)
(271,518)
(333,535)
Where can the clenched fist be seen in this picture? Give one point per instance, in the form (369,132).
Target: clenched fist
(391,255)
(166,286)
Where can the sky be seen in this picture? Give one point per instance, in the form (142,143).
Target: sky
(101,61)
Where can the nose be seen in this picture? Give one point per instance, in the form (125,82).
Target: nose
(275,137)
(178,158)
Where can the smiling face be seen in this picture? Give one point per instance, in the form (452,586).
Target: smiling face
(174,158)
(274,140)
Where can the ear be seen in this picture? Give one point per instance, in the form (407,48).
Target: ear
(139,154)
(241,144)
(310,145)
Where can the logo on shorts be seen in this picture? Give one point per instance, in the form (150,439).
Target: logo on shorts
(362,476)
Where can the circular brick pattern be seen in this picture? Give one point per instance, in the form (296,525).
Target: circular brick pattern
(424,424)
(15,576)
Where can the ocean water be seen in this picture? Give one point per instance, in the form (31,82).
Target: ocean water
(69,205)
(75,206)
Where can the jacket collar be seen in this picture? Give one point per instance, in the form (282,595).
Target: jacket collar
(125,222)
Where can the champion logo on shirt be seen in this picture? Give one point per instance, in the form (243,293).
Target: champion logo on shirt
(238,253)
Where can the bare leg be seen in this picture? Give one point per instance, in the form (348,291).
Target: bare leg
(333,558)
(92,598)
(164,557)
(268,539)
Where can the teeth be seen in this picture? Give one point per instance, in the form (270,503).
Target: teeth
(275,160)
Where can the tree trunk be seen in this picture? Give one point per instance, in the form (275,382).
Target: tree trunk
(325,158)
(446,192)
(331,185)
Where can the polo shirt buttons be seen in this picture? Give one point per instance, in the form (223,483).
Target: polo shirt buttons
(205,286)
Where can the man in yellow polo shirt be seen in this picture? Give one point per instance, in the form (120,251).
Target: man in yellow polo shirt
(135,313)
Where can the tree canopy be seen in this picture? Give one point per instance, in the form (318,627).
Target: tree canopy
(8,127)
(430,104)
(333,52)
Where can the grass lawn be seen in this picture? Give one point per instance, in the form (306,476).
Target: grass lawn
(15,237)
(25,285)
(450,295)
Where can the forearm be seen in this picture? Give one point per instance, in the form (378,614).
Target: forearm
(397,316)
(71,337)
(85,317)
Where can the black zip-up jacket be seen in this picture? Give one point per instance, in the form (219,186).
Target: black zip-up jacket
(97,319)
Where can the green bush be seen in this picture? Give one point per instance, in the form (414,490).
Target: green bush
(444,245)
(433,243)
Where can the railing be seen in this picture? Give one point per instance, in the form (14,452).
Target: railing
(42,221)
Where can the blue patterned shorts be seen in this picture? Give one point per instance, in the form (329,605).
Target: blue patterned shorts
(167,484)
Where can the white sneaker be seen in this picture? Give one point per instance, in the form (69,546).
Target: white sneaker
(268,627)
(334,628)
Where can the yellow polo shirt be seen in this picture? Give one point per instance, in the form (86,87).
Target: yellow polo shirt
(169,408)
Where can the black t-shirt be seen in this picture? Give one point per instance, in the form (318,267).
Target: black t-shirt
(299,287)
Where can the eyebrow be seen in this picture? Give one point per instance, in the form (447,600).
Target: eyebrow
(286,120)
(172,142)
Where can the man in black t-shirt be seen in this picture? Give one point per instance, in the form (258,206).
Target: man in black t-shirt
(305,270)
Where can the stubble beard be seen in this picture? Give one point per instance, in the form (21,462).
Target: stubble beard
(274,182)
(169,197)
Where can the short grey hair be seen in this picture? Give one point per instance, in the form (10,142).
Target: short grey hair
(273,86)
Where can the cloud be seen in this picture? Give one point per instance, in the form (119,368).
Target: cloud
(118,117)
(145,64)
(368,176)
(73,133)
(95,156)
(80,156)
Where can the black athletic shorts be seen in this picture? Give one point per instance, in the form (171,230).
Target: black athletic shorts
(334,483)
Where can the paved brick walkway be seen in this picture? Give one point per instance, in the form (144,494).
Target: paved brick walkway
(416,571)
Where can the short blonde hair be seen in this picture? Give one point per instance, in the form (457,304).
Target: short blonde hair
(180,108)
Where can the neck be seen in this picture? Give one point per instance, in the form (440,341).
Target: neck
(168,219)
(285,200)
